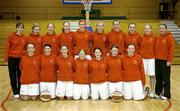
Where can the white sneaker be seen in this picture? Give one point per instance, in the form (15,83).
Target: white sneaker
(151,94)
(16,96)
(160,97)
(163,97)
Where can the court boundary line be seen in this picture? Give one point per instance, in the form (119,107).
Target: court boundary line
(5,100)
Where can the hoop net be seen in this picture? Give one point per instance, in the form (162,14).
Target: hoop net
(87,4)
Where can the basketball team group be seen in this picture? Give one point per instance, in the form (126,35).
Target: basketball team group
(83,64)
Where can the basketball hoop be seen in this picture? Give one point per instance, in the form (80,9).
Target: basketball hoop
(87,4)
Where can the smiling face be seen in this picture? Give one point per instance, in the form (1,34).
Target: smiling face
(30,49)
(147,30)
(82,25)
(162,29)
(36,30)
(116,25)
(47,50)
(132,28)
(131,50)
(100,27)
(20,29)
(97,53)
(66,27)
(51,28)
(64,51)
(114,51)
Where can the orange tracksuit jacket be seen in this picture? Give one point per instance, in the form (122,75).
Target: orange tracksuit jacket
(82,40)
(67,40)
(99,41)
(118,39)
(98,71)
(53,41)
(15,46)
(81,75)
(48,68)
(133,69)
(135,39)
(66,68)
(115,72)
(147,46)
(37,41)
(164,47)
(30,69)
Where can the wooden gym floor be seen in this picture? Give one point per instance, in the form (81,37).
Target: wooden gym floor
(9,104)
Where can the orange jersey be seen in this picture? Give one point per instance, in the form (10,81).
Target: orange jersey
(99,41)
(98,71)
(82,40)
(15,46)
(164,47)
(147,46)
(115,72)
(65,67)
(48,68)
(81,75)
(118,39)
(37,41)
(67,39)
(135,39)
(53,41)
(30,69)
(133,68)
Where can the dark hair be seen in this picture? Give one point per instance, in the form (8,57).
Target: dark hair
(48,45)
(63,26)
(114,46)
(116,21)
(98,49)
(35,25)
(82,20)
(18,24)
(131,24)
(163,25)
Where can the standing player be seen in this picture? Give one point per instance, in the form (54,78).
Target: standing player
(82,40)
(116,37)
(115,72)
(48,76)
(30,69)
(66,38)
(51,38)
(81,77)
(98,76)
(13,52)
(164,47)
(133,77)
(65,65)
(35,38)
(133,37)
(99,38)
(147,52)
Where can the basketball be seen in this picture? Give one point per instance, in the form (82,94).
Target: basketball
(116,96)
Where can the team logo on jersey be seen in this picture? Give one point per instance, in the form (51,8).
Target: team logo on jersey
(135,62)
(69,64)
